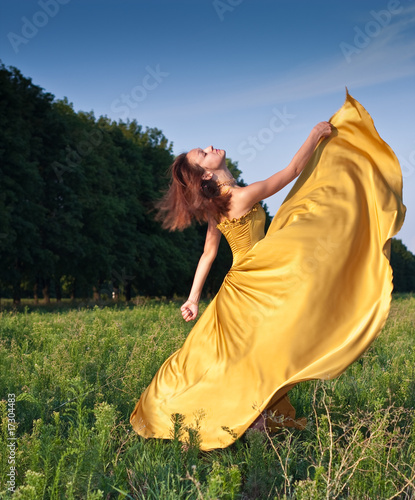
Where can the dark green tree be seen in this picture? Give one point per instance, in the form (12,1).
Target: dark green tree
(22,114)
(77,203)
(403,265)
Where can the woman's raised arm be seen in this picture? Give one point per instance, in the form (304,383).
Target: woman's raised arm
(190,308)
(258,191)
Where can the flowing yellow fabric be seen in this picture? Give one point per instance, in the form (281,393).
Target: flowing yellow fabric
(301,303)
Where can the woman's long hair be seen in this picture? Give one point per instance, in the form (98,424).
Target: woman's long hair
(190,197)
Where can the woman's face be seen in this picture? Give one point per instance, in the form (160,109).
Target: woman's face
(209,158)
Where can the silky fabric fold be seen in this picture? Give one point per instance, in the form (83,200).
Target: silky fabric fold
(302,302)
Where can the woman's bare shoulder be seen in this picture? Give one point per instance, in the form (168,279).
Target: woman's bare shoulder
(240,203)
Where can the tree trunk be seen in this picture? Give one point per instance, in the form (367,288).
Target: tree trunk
(16,286)
(128,291)
(96,294)
(16,294)
(35,293)
(45,291)
(58,290)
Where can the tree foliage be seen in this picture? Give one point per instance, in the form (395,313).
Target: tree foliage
(76,205)
(403,265)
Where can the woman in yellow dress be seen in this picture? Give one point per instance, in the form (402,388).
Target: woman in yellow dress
(301,302)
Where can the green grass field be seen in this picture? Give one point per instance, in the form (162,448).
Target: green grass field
(77,374)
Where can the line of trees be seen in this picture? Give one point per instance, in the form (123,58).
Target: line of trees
(76,200)
(403,265)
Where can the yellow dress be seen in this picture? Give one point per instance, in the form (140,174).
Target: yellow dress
(302,302)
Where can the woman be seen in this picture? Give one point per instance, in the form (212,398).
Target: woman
(239,200)
(301,302)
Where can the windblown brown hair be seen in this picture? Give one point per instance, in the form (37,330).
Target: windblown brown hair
(189,197)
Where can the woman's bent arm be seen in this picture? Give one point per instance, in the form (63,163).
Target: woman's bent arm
(190,308)
(258,191)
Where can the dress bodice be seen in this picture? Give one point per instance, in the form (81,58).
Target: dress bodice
(243,232)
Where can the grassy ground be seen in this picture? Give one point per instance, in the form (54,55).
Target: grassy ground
(77,374)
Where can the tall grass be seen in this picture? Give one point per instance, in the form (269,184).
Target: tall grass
(77,375)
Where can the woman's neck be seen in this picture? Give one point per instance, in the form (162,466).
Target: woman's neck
(224,177)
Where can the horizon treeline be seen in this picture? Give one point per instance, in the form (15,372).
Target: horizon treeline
(76,206)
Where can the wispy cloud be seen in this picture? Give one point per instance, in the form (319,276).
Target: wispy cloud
(388,56)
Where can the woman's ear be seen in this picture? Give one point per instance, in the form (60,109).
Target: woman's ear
(207,175)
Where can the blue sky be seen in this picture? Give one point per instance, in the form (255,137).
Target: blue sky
(221,71)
